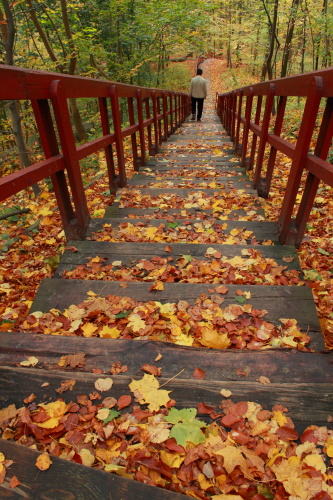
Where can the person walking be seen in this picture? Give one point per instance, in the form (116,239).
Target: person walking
(198,92)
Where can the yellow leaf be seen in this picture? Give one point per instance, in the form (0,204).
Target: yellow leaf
(31,361)
(45,211)
(88,329)
(148,392)
(43,462)
(211,338)
(96,260)
(103,384)
(51,241)
(226,497)
(55,411)
(233,457)
(111,333)
(173,460)
(280,418)
(87,457)
(316,462)
(226,393)
(135,322)
(329,451)
(183,339)
(2,457)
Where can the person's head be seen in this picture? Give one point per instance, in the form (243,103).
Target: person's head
(199,71)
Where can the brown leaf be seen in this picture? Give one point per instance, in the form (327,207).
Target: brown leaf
(221,289)
(263,380)
(205,409)
(29,399)
(118,368)
(73,360)
(124,401)
(14,482)
(152,369)
(71,248)
(286,433)
(199,374)
(168,249)
(66,385)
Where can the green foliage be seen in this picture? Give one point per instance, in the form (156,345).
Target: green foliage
(113,414)
(186,428)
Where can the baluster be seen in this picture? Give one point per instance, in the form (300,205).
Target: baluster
(77,227)
(285,224)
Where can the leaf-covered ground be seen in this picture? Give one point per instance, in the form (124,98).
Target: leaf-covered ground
(232,451)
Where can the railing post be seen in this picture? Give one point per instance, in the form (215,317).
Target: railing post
(233,107)
(103,109)
(160,135)
(248,111)
(50,147)
(265,182)
(141,128)
(250,164)
(286,227)
(171,112)
(165,116)
(136,160)
(118,136)
(312,182)
(77,226)
(150,142)
(238,147)
(156,138)
(264,133)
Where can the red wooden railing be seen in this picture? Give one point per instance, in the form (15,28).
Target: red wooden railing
(250,110)
(154,115)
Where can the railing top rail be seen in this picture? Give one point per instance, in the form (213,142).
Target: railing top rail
(297,85)
(23,83)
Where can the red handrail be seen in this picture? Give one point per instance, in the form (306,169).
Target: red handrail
(43,88)
(236,118)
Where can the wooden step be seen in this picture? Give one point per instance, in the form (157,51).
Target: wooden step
(261,232)
(115,211)
(277,300)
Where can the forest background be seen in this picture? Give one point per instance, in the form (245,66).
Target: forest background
(153,43)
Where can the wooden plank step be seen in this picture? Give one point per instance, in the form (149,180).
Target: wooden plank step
(126,252)
(66,480)
(280,366)
(225,183)
(185,192)
(261,231)
(308,403)
(115,211)
(277,300)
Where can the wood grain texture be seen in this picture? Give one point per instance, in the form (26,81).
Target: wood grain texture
(66,480)
(280,366)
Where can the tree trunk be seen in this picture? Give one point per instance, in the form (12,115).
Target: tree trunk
(7,42)
(290,32)
(267,68)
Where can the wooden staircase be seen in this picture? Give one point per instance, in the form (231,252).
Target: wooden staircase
(206,186)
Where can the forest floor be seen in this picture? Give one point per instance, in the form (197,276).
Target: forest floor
(33,242)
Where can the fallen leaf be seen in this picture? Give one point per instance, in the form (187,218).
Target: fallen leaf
(103,384)
(73,360)
(147,391)
(14,482)
(199,374)
(43,462)
(29,399)
(31,361)
(226,393)
(66,385)
(263,380)
(124,401)
(153,370)
(158,357)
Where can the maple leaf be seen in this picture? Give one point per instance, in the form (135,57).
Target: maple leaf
(147,391)
(73,360)
(55,411)
(66,385)
(211,338)
(135,323)
(233,457)
(186,428)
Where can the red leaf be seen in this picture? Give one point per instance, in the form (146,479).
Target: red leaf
(152,369)
(199,374)
(286,433)
(229,420)
(124,401)
(205,409)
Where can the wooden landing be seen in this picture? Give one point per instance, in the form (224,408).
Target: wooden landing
(300,381)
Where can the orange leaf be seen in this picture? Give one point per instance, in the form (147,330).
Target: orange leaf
(152,369)
(124,401)
(199,374)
